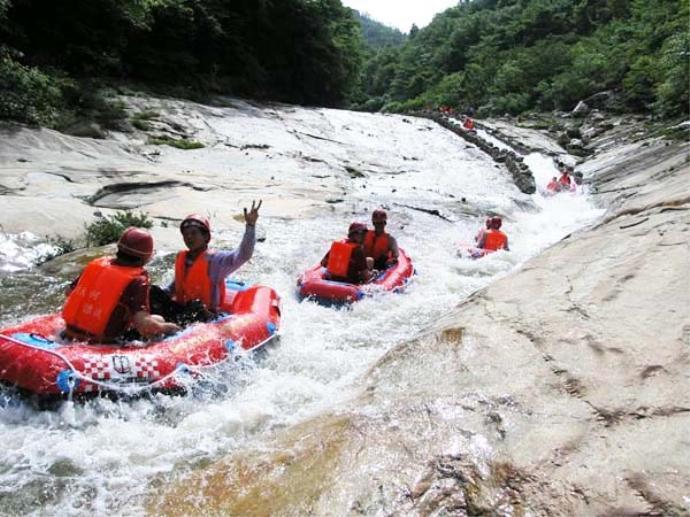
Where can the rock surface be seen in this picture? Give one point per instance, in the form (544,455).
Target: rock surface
(584,361)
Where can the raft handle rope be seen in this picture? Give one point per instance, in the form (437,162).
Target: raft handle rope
(126,388)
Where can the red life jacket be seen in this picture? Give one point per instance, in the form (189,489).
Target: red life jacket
(376,246)
(194,282)
(495,240)
(339,258)
(469,123)
(553,186)
(564,180)
(91,304)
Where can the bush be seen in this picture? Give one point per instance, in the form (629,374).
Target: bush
(28,95)
(108,229)
(672,92)
(61,246)
(181,143)
(141,119)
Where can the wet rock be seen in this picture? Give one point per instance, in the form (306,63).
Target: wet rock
(70,265)
(353,172)
(122,125)
(522,176)
(573,132)
(86,129)
(581,109)
(577,147)
(601,100)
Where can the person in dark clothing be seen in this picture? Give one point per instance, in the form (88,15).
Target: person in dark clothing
(346,260)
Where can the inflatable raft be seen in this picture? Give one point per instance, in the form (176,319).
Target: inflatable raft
(552,191)
(313,283)
(34,359)
(467,251)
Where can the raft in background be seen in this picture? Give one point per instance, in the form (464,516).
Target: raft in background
(313,284)
(35,360)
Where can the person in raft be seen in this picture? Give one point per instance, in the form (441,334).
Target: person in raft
(482,231)
(494,239)
(565,180)
(109,301)
(198,288)
(378,244)
(553,185)
(346,261)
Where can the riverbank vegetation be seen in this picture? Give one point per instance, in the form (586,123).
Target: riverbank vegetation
(58,59)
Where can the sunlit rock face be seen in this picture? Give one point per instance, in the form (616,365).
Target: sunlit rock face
(559,390)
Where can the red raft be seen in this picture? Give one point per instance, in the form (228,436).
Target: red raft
(467,251)
(35,360)
(313,284)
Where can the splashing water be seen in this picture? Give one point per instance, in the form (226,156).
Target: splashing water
(104,456)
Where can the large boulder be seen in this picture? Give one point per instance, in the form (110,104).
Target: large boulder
(581,109)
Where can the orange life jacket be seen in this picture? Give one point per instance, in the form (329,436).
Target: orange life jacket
(339,258)
(91,304)
(376,246)
(495,240)
(194,282)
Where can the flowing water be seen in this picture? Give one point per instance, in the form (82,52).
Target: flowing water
(105,456)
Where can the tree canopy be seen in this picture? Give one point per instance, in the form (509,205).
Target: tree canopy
(299,51)
(516,55)
(496,55)
(377,35)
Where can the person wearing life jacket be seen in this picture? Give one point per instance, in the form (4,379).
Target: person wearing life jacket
(565,180)
(468,124)
(346,261)
(198,289)
(494,239)
(378,244)
(109,300)
(482,231)
(553,185)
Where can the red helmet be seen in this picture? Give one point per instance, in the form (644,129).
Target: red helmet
(356,227)
(379,214)
(496,222)
(136,242)
(196,220)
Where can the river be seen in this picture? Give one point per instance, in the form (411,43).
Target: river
(106,457)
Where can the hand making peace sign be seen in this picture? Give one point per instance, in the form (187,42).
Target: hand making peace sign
(253,214)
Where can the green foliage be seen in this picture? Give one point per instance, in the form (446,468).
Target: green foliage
(108,229)
(518,55)
(180,143)
(301,51)
(671,92)
(378,35)
(141,119)
(27,94)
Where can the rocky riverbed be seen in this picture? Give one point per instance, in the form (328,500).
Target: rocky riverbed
(559,389)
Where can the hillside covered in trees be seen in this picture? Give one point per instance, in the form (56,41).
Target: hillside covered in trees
(496,55)
(298,51)
(516,55)
(377,35)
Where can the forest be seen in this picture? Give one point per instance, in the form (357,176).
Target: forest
(498,56)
